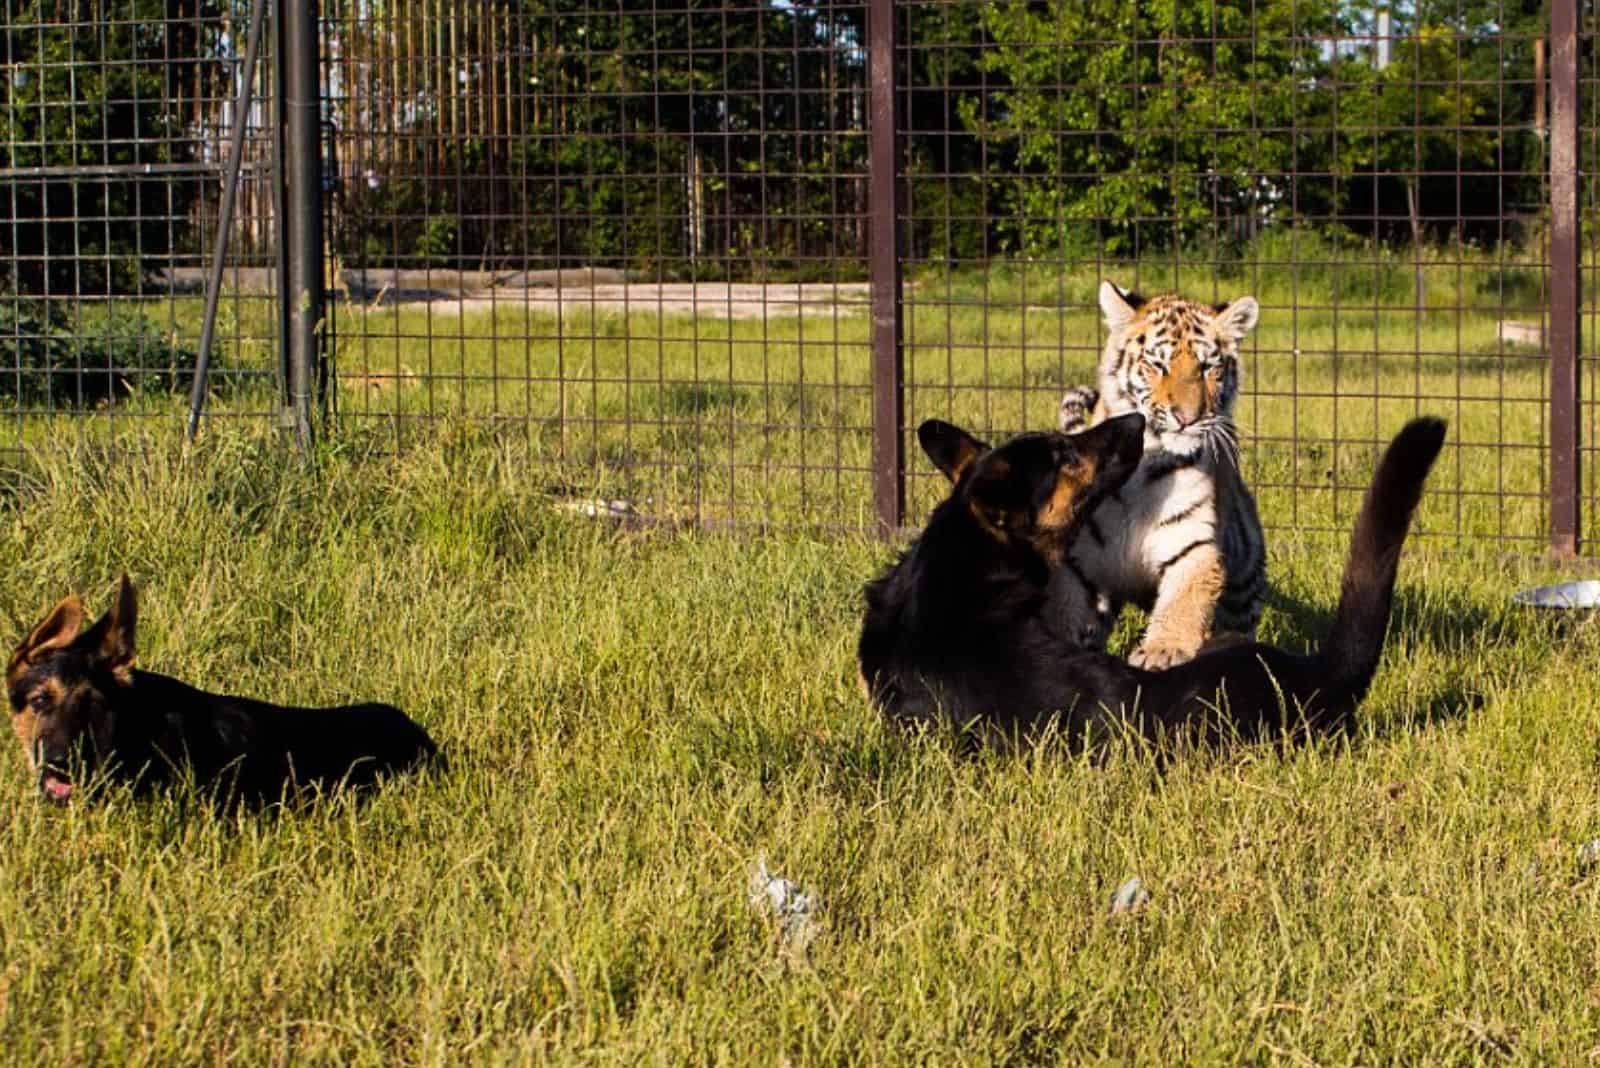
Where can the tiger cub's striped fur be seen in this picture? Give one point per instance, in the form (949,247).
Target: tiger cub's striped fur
(1181,538)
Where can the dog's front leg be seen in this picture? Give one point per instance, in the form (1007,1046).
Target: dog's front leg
(1079,611)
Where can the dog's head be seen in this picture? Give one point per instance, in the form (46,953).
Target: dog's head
(1036,488)
(63,683)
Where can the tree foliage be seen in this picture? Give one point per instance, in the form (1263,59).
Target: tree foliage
(609,115)
(1153,123)
(90,96)
(733,137)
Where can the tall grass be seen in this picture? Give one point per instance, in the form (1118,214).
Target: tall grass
(634,718)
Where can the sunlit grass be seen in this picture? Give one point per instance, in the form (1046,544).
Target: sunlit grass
(633,717)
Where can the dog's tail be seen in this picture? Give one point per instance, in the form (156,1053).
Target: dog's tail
(1350,654)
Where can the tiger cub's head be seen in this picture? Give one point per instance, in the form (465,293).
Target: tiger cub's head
(1176,362)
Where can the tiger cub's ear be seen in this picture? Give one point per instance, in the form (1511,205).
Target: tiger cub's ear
(1236,320)
(1118,305)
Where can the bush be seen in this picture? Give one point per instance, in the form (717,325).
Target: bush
(114,359)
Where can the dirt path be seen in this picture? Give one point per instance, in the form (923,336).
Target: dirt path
(597,290)
(720,300)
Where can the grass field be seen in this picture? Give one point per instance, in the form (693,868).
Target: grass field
(635,717)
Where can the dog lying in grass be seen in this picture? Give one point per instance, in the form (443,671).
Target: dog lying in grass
(83,711)
(959,631)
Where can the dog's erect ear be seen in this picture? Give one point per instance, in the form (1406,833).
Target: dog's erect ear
(997,498)
(112,636)
(951,449)
(57,631)
(1118,305)
(1116,445)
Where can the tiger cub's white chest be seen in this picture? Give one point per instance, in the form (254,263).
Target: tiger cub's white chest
(1158,512)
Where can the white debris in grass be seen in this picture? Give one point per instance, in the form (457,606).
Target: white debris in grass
(1130,897)
(795,910)
(1589,856)
(599,508)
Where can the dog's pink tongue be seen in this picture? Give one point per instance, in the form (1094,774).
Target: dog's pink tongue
(58,789)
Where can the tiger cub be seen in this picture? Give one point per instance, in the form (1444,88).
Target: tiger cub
(1181,538)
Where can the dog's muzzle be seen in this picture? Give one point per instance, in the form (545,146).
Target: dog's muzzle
(55,784)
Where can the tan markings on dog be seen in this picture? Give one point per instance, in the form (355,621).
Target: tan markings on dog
(1071,481)
(58,630)
(26,726)
(967,452)
(14,669)
(991,520)
(25,722)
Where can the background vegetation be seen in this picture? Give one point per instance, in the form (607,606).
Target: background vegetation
(707,139)
(766,420)
(99,102)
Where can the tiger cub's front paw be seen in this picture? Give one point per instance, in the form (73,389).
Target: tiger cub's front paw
(1076,405)
(1160,654)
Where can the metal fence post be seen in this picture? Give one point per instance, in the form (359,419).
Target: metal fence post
(1565,280)
(242,105)
(884,204)
(301,231)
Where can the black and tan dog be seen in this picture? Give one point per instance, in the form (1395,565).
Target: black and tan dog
(959,630)
(82,710)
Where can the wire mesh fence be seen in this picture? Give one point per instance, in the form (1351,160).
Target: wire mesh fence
(1375,177)
(713,262)
(113,119)
(635,232)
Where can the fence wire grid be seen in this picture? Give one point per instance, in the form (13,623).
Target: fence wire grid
(714,262)
(114,121)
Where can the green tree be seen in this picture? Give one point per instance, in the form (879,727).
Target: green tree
(1444,128)
(1417,116)
(629,135)
(1146,121)
(95,85)
(947,164)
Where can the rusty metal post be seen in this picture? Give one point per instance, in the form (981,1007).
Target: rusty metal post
(1565,280)
(885,206)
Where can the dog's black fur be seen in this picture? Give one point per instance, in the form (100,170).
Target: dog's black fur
(958,629)
(83,711)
